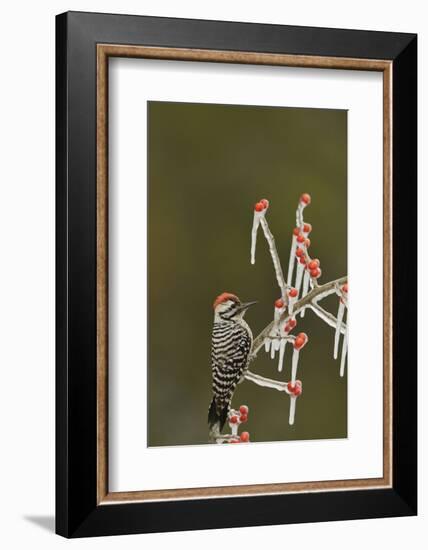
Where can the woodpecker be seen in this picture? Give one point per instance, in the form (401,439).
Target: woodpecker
(230,350)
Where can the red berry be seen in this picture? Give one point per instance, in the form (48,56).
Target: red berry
(313,264)
(296,231)
(299,252)
(293,292)
(305,198)
(245,437)
(303,260)
(243,409)
(300,340)
(308,243)
(297,388)
(299,343)
(290,325)
(279,303)
(265,203)
(301,239)
(243,417)
(315,273)
(233,419)
(307,227)
(258,207)
(345,287)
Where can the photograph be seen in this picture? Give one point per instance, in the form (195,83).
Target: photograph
(247,273)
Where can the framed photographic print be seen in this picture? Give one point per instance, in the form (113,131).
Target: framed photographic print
(219,187)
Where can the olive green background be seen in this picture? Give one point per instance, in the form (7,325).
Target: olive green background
(208,165)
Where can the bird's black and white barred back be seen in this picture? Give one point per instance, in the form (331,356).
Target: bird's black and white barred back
(230,350)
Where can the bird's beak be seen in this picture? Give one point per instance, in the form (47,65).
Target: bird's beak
(246,305)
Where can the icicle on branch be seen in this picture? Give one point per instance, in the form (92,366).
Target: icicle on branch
(343,306)
(338,326)
(260,210)
(281,354)
(343,357)
(295,386)
(258,213)
(327,317)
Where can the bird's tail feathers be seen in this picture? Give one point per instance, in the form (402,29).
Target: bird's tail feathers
(216,420)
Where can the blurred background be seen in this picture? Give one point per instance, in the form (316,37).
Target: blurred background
(208,165)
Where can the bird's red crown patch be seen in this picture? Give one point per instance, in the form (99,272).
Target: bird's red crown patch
(224,297)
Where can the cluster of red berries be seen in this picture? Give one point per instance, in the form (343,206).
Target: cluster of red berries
(300,341)
(261,205)
(302,236)
(240,419)
(243,415)
(313,266)
(290,325)
(296,388)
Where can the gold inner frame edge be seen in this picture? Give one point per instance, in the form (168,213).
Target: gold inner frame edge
(104,51)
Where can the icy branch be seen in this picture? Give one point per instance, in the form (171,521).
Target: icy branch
(327,317)
(316,294)
(266,382)
(306,293)
(299,213)
(292,260)
(342,292)
(275,258)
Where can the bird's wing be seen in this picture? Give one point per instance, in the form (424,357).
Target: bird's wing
(227,367)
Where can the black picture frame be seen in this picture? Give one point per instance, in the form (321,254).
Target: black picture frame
(77,511)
